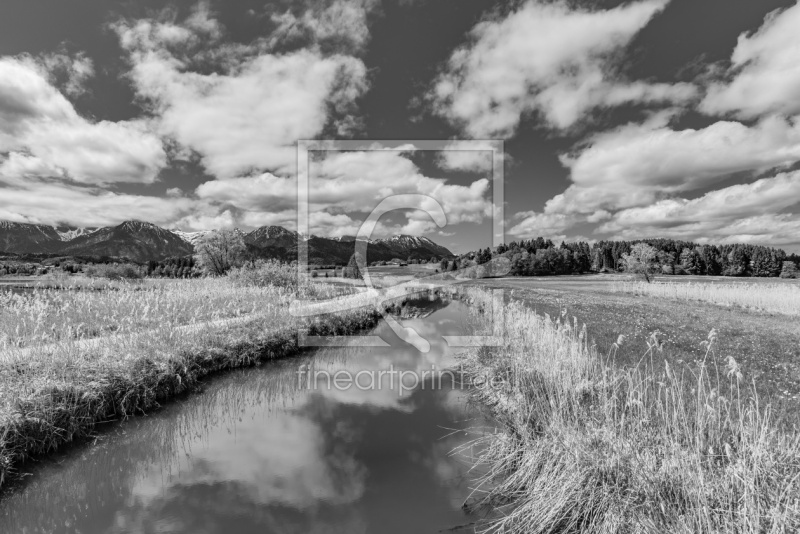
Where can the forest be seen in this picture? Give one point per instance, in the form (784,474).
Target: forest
(539,257)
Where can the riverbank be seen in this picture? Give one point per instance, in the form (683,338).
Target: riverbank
(765,345)
(72,360)
(591,447)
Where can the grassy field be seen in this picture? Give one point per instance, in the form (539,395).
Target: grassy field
(72,359)
(766,345)
(591,446)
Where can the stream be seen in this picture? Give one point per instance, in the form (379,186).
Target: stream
(269,450)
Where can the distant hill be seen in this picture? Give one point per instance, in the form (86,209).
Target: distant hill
(272,236)
(136,240)
(24,238)
(409,245)
(278,242)
(141,241)
(323,250)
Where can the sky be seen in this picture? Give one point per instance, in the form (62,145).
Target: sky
(619,120)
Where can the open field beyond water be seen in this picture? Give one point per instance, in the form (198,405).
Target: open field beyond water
(766,345)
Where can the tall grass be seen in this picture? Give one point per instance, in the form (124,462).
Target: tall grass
(781,298)
(590,448)
(42,316)
(265,273)
(72,359)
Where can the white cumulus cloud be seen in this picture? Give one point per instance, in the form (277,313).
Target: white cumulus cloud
(548,58)
(712,212)
(345,187)
(535,224)
(765,71)
(42,134)
(635,165)
(247,114)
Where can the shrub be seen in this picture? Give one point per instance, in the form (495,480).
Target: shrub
(790,270)
(265,273)
(122,271)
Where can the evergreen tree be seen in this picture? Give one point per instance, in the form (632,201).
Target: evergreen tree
(353,270)
(737,262)
(608,260)
(688,261)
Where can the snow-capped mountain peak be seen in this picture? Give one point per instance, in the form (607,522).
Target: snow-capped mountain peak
(350,238)
(68,234)
(191,237)
(409,240)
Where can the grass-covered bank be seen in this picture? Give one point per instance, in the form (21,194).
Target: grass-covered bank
(766,345)
(591,447)
(71,360)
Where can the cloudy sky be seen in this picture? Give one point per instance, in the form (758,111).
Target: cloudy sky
(651,118)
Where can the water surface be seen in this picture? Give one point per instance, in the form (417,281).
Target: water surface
(15,289)
(258,452)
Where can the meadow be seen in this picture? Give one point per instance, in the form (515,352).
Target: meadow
(765,344)
(591,446)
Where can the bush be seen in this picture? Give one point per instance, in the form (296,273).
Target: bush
(122,271)
(265,273)
(314,274)
(790,270)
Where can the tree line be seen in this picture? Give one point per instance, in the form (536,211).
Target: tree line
(185,267)
(540,256)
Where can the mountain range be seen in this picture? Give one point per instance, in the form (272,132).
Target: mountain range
(141,241)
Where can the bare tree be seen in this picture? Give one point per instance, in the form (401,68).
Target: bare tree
(220,251)
(641,261)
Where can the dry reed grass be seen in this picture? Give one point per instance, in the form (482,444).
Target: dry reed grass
(587,447)
(44,316)
(776,298)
